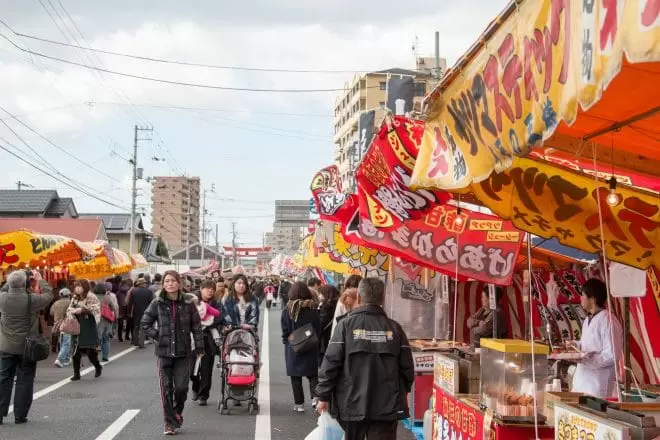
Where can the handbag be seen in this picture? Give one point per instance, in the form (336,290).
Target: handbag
(37,348)
(70,325)
(303,339)
(107,313)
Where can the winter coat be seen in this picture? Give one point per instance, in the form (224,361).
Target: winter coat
(326,315)
(368,368)
(88,319)
(105,325)
(138,300)
(58,310)
(176,319)
(300,364)
(14,322)
(232,316)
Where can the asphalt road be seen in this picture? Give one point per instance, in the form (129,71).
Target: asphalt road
(124,403)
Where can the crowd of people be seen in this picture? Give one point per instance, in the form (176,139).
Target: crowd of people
(186,320)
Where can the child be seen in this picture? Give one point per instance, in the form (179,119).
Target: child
(206,314)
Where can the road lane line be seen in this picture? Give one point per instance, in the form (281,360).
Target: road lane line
(118,425)
(63,382)
(262,424)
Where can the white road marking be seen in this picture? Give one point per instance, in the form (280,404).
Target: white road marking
(262,424)
(118,425)
(60,384)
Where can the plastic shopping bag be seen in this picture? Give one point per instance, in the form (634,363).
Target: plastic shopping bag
(328,429)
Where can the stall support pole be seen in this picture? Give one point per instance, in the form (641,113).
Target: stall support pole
(626,348)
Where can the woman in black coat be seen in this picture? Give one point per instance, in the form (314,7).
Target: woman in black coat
(329,296)
(301,310)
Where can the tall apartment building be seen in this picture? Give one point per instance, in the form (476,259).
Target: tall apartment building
(171,199)
(369,92)
(291,220)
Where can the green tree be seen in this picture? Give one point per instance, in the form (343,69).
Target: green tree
(161,248)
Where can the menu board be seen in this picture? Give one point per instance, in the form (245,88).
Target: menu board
(445,373)
(423,362)
(454,419)
(571,423)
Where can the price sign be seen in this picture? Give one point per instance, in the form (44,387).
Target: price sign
(423,362)
(572,423)
(445,374)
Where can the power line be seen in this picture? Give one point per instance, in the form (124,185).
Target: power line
(60,180)
(187,63)
(172,82)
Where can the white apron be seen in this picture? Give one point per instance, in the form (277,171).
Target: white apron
(596,374)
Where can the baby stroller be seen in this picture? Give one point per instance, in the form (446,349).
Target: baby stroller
(240,370)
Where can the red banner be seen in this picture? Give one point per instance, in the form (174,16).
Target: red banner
(383,176)
(486,247)
(331,204)
(456,419)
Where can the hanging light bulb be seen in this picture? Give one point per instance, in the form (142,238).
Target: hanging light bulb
(459,218)
(612,199)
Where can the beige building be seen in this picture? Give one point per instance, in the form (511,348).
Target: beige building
(369,92)
(291,222)
(175,210)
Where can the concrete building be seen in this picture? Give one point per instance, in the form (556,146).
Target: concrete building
(367,92)
(175,210)
(291,220)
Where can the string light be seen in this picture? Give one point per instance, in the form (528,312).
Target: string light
(459,218)
(613,198)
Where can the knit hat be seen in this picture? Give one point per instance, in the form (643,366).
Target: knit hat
(65,292)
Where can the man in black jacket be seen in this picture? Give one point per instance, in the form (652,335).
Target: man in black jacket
(139,299)
(367,370)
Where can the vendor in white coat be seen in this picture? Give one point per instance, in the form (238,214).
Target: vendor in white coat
(602,341)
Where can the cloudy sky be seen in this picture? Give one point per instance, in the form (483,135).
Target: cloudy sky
(254,146)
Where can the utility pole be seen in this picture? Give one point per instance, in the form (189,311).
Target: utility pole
(233,242)
(217,241)
(188,225)
(133,162)
(204,219)
(438,74)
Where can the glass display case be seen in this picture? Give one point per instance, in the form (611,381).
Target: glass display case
(507,379)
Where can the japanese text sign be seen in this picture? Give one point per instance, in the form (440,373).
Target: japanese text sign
(548,201)
(456,419)
(445,374)
(422,362)
(531,74)
(571,423)
(32,249)
(486,247)
(384,175)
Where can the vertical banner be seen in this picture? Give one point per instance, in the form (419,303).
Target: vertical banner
(366,127)
(400,93)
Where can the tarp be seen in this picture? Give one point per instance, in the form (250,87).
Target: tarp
(25,248)
(107,264)
(529,72)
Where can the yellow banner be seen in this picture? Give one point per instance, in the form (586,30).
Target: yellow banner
(552,202)
(104,265)
(547,57)
(30,249)
(313,257)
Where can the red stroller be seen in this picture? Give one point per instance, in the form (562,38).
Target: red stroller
(240,370)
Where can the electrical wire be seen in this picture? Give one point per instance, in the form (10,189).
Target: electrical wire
(61,180)
(187,63)
(172,82)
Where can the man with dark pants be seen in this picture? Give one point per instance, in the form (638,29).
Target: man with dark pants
(16,323)
(140,298)
(367,371)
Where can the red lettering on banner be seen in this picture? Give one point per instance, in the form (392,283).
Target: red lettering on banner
(555,30)
(440,154)
(608,216)
(650,12)
(610,23)
(375,168)
(415,132)
(491,77)
(539,47)
(434,218)
(512,73)
(637,215)
(5,257)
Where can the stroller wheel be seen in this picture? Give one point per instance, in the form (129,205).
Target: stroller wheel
(224,410)
(253,409)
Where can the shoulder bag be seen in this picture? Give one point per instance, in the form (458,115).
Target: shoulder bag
(106,311)
(304,339)
(36,348)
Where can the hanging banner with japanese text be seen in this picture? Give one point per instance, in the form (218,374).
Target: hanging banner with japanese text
(548,201)
(30,249)
(528,74)
(455,419)
(331,203)
(384,175)
(486,247)
(316,257)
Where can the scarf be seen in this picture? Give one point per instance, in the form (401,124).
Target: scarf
(294,307)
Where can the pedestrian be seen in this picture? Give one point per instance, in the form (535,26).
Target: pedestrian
(138,301)
(239,308)
(348,300)
(301,310)
(367,371)
(86,307)
(177,318)
(211,321)
(58,311)
(158,284)
(124,322)
(106,323)
(314,284)
(220,289)
(19,318)
(329,297)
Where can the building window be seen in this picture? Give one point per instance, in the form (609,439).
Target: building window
(383,85)
(420,89)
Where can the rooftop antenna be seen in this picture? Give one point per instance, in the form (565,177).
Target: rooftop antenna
(415,48)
